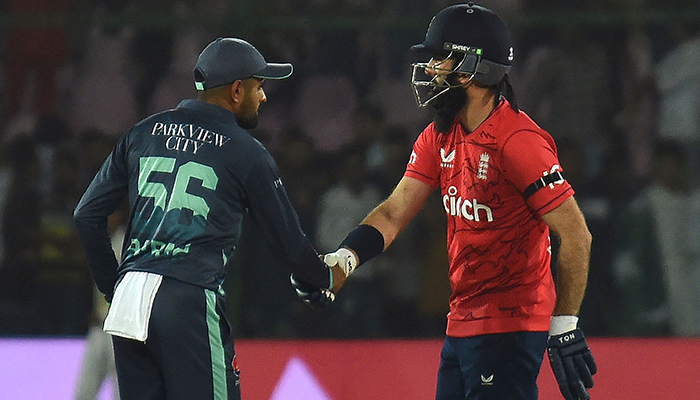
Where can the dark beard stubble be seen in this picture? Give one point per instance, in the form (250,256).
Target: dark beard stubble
(446,107)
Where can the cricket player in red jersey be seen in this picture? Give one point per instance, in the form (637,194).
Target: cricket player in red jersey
(502,189)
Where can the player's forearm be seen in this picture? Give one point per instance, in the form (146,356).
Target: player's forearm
(365,241)
(572,273)
(93,233)
(385,222)
(379,229)
(392,215)
(568,222)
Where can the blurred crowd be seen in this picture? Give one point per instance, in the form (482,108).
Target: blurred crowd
(616,83)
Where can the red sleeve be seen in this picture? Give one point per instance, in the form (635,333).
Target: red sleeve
(527,157)
(424,164)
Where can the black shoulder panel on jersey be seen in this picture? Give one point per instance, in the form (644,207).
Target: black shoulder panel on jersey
(542,182)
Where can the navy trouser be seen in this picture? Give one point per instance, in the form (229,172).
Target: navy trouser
(189,351)
(500,366)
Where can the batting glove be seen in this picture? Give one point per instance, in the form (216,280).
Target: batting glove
(344,259)
(570,358)
(313,296)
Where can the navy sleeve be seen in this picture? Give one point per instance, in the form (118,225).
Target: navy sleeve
(272,210)
(107,189)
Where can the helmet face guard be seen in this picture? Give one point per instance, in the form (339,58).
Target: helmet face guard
(427,86)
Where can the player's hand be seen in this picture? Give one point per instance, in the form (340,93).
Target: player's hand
(343,258)
(572,363)
(338,278)
(313,296)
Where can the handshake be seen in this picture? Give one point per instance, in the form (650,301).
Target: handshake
(341,264)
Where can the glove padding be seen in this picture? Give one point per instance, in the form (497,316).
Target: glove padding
(343,258)
(572,363)
(313,296)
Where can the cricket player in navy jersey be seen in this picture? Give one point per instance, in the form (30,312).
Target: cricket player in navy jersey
(191,175)
(502,190)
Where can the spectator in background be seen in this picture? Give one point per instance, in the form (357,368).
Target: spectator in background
(175,82)
(395,98)
(64,285)
(303,168)
(639,306)
(326,103)
(391,148)
(33,55)
(152,49)
(368,130)
(21,239)
(674,209)
(634,66)
(678,84)
(5,180)
(106,67)
(357,313)
(567,89)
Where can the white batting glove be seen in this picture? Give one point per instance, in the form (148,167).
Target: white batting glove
(343,258)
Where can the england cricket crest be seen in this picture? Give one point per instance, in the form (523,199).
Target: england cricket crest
(483,170)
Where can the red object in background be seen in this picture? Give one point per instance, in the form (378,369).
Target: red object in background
(407,369)
(39,48)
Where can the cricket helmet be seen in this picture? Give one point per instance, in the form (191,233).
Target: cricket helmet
(475,37)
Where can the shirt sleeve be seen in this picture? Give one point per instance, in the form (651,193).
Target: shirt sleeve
(104,194)
(272,211)
(529,156)
(423,163)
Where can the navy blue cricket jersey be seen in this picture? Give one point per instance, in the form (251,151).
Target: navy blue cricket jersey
(191,175)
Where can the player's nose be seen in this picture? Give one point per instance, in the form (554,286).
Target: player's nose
(430,69)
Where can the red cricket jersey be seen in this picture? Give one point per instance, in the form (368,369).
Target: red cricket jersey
(498,244)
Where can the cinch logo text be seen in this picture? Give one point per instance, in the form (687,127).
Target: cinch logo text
(469,209)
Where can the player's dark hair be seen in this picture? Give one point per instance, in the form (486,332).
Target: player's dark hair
(505,88)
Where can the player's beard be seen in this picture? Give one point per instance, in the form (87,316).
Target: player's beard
(446,107)
(247,118)
(247,122)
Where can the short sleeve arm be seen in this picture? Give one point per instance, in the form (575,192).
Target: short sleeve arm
(423,163)
(529,156)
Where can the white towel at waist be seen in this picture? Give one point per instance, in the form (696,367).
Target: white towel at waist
(131,307)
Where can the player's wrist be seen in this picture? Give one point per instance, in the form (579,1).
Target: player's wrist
(365,241)
(559,324)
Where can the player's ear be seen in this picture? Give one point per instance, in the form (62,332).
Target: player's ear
(465,80)
(237,91)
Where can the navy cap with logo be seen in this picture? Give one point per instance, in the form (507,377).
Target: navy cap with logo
(226,60)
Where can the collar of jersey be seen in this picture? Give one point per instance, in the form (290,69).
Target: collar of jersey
(501,102)
(215,111)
